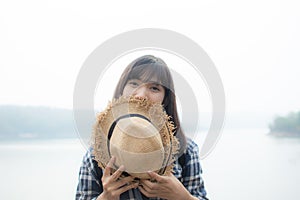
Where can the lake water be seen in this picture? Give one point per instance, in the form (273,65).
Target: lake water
(245,165)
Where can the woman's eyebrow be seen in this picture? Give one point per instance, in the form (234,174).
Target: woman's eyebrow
(154,82)
(131,79)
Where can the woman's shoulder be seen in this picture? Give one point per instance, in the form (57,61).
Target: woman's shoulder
(191,146)
(189,160)
(191,153)
(88,156)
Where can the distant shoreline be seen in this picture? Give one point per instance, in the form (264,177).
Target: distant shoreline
(284,134)
(20,138)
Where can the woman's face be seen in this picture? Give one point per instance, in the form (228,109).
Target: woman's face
(150,90)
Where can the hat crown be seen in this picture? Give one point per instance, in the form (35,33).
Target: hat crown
(136,135)
(137,127)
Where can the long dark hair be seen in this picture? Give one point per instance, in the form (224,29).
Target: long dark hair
(148,68)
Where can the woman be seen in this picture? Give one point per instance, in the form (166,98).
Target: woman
(147,77)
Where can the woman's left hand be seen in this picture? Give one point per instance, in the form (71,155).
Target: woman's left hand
(166,187)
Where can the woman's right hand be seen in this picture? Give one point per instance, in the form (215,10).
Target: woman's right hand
(113,185)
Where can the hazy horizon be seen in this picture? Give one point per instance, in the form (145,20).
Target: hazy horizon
(233,120)
(256,55)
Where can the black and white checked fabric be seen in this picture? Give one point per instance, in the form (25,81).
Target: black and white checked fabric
(90,187)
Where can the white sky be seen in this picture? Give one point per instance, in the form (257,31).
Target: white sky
(255,46)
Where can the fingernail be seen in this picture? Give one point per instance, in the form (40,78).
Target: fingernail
(122,167)
(113,159)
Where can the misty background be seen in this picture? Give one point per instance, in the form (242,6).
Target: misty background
(254,45)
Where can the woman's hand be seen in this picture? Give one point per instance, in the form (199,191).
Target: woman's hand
(166,187)
(113,185)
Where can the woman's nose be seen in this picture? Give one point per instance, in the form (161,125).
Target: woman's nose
(140,92)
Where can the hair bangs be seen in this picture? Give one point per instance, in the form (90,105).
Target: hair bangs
(152,72)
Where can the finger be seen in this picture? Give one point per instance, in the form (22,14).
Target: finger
(156,177)
(123,182)
(118,173)
(126,188)
(109,166)
(145,192)
(111,162)
(148,185)
(128,179)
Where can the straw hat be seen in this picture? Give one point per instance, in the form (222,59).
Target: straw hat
(138,133)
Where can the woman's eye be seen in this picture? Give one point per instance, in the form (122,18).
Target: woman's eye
(133,84)
(155,89)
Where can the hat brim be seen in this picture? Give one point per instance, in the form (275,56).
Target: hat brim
(128,106)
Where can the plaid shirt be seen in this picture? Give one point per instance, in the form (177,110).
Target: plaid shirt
(90,186)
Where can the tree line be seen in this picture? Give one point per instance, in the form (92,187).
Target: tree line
(35,122)
(286,125)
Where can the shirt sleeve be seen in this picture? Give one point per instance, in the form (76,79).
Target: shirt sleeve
(89,186)
(191,177)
